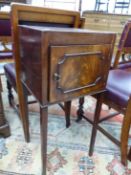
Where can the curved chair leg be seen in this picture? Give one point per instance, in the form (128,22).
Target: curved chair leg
(125,133)
(95,123)
(80,111)
(129,154)
(10,95)
(67,112)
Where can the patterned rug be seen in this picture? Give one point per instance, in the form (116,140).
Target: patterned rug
(67,148)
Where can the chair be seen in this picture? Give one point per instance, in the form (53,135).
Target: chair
(122,5)
(101,3)
(5,38)
(119,98)
(124,48)
(30,15)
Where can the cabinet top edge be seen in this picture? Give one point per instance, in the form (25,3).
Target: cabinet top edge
(65,30)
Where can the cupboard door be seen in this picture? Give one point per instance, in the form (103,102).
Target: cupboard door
(77,70)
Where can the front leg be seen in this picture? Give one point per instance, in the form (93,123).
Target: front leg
(43,133)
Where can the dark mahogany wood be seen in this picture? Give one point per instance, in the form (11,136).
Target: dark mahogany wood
(75,50)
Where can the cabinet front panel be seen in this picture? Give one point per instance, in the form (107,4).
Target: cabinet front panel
(76,70)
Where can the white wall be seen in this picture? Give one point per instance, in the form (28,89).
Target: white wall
(71,5)
(74,5)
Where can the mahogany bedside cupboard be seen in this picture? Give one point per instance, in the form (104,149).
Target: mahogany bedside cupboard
(60,64)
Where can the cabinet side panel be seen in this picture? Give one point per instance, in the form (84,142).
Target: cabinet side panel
(30,54)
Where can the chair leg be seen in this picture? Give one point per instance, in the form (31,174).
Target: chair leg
(80,110)
(129,154)
(95,123)
(67,112)
(125,133)
(10,95)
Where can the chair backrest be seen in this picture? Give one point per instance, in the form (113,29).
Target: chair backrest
(5,30)
(124,46)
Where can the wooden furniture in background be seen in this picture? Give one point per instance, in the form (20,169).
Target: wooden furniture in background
(31,15)
(4,127)
(106,22)
(58,64)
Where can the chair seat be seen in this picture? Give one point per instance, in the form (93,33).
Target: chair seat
(119,86)
(6,55)
(125,65)
(10,73)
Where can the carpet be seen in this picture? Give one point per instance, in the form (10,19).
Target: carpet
(67,148)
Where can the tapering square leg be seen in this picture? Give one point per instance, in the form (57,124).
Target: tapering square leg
(43,133)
